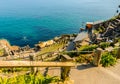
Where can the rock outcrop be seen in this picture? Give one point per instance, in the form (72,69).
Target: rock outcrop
(44,44)
(7,48)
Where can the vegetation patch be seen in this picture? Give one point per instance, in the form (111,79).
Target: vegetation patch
(1,52)
(52,48)
(84,59)
(104,45)
(12,70)
(29,79)
(108,60)
(72,54)
(87,48)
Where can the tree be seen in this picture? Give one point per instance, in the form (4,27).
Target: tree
(117,11)
(118,6)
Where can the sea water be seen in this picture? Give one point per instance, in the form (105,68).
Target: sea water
(25,22)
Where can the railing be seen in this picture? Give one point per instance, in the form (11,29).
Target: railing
(9,64)
(65,62)
(65,66)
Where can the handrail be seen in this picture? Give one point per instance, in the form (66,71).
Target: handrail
(9,64)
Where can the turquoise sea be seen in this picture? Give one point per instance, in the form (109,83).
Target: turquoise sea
(25,22)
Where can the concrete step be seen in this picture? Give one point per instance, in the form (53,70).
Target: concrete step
(94,75)
(113,25)
(118,20)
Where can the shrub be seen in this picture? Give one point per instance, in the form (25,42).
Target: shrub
(114,52)
(80,59)
(87,48)
(112,44)
(104,45)
(11,70)
(84,59)
(72,54)
(108,60)
(29,79)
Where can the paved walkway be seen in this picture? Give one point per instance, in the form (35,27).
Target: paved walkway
(87,74)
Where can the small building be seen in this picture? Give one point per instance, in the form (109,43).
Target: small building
(93,24)
(89,24)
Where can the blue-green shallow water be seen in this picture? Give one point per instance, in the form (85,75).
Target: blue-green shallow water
(25,22)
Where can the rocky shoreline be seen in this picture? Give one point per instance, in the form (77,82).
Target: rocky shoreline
(12,50)
(103,32)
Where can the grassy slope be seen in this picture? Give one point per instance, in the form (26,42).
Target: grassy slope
(52,48)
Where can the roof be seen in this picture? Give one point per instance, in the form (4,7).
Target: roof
(98,22)
(89,22)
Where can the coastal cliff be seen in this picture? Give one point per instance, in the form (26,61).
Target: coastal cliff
(109,31)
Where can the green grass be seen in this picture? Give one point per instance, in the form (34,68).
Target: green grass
(104,45)
(29,79)
(52,48)
(87,48)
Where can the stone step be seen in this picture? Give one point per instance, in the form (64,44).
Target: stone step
(113,25)
(118,20)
